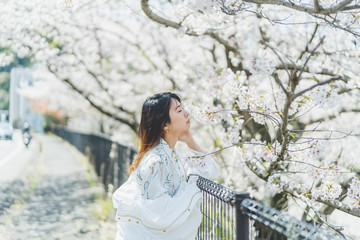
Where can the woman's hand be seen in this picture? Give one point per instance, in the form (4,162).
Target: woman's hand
(187,138)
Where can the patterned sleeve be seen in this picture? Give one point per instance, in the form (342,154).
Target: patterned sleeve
(153,177)
(201,164)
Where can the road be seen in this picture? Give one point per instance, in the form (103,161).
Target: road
(14,157)
(45,193)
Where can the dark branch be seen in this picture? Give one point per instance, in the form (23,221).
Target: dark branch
(130,123)
(298,94)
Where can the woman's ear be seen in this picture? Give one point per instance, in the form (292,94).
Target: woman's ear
(166,129)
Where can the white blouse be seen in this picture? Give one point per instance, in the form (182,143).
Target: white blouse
(157,202)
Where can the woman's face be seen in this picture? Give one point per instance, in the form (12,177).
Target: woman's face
(179,118)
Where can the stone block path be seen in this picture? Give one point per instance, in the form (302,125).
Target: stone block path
(53,200)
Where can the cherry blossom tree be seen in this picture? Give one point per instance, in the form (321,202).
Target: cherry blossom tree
(104,61)
(284,98)
(343,15)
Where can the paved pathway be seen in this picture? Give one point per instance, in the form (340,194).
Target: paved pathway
(53,200)
(14,157)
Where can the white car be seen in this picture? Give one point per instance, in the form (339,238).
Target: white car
(6,130)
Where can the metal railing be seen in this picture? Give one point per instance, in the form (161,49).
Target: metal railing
(221,219)
(231,215)
(227,214)
(109,158)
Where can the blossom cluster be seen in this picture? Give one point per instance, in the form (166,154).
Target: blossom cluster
(198,16)
(206,115)
(195,161)
(325,97)
(261,66)
(327,171)
(260,108)
(6,59)
(315,149)
(354,192)
(274,185)
(259,151)
(327,191)
(232,134)
(314,166)
(65,3)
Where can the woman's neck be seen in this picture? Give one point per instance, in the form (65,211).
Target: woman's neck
(171,140)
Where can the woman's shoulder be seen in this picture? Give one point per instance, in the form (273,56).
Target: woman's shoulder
(152,158)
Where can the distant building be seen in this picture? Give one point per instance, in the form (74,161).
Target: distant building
(4,115)
(19,109)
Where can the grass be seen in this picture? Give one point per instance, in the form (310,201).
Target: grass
(90,177)
(104,209)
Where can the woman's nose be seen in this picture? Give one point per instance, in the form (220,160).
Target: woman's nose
(187,114)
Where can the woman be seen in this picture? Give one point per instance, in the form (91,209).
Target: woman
(157,202)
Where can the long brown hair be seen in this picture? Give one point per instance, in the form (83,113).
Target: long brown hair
(154,117)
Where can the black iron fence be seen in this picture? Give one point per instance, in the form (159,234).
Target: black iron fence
(231,215)
(227,214)
(221,218)
(109,158)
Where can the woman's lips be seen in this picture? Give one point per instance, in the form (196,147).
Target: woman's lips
(188,121)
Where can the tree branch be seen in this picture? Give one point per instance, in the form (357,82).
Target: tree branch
(335,25)
(334,203)
(132,124)
(298,94)
(311,54)
(310,40)
(168,23)
(278,81)
(103,87)
(305,7)
(317,6)
(273,49)
(324,71)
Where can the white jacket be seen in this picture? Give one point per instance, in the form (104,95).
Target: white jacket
(156,202)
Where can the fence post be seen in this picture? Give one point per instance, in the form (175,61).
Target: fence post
(242,221)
